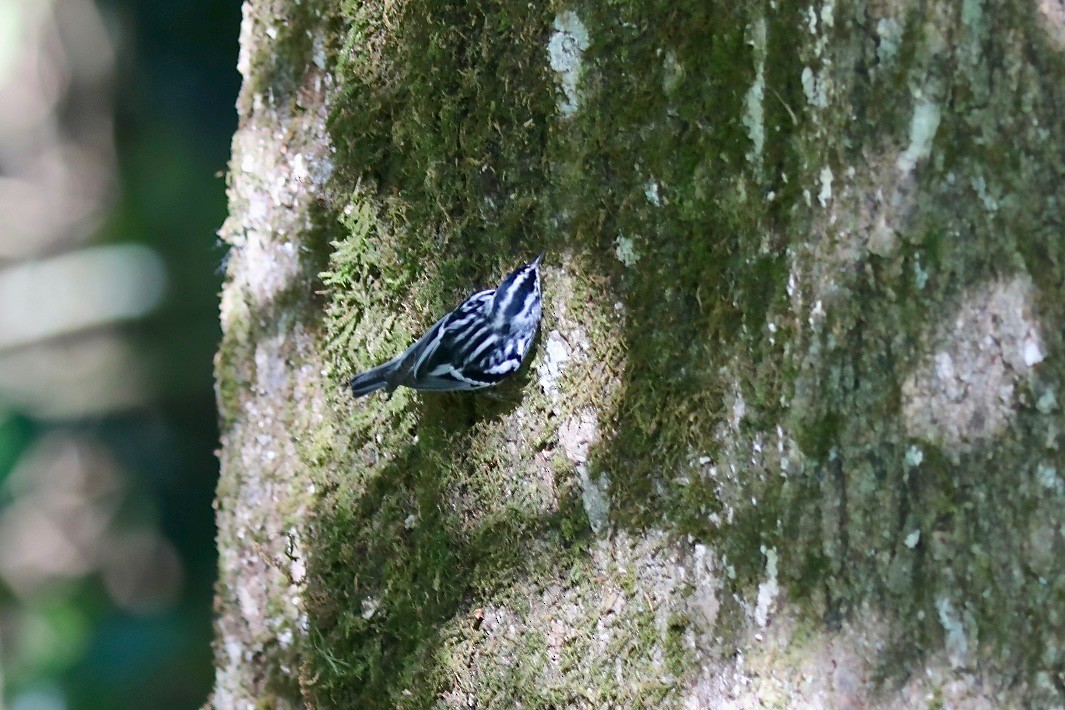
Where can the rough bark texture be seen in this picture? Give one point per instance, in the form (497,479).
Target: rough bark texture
(793,430)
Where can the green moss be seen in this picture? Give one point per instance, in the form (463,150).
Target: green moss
(455,176)
(230,383)
(456,166)
(279,66)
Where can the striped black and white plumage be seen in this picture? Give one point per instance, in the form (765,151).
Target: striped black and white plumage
(475,346)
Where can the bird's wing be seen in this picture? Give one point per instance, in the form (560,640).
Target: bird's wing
(436,346)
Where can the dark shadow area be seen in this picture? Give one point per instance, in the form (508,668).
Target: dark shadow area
(403,561)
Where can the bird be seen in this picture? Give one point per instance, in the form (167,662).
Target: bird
(477,345)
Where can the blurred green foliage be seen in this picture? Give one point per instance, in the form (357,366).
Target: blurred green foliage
(173,98)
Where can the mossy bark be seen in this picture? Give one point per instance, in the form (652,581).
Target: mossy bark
(792,433)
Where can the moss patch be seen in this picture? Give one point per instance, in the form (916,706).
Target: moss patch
(748,330)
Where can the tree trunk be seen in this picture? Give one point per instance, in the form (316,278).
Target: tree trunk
(792,432)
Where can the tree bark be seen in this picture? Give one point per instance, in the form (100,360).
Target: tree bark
(792,432)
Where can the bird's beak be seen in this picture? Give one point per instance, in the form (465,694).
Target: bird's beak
(536,264)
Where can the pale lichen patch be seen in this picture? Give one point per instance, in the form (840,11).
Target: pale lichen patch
(964,392)
(248,40)
(1053,15)
(754,109)
(549,370)
(791,664)
(672,72)
(889,33)
(815,87)
(577,436)
(564,51)
(866,211)
(651,192)
(767,590)
(957,641)
(595,495)
(569,354)
(611,633)
(269,268)
(825,194)
(626,251)
(923,126)
(271,366)
(267,174)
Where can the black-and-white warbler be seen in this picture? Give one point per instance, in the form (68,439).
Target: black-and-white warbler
(475,346)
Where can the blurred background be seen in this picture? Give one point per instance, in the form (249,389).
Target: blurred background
(115,120)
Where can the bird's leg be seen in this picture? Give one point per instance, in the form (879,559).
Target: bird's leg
(492,394)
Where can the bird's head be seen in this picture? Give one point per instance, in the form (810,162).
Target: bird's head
(517,299)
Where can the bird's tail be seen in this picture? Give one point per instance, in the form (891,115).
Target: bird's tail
(373,380)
